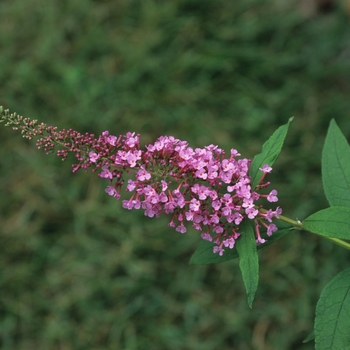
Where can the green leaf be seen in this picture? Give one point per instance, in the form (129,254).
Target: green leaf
(204,253)
(332,322)
(310,337)
(331,222)
(336,167)
(248,259)
(270,151)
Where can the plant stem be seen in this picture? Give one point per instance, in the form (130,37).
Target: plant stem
(299,226)
(296,223)
(340,242)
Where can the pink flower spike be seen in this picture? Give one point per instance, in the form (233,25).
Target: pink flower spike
(272,197)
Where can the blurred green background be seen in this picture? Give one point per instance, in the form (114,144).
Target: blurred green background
(77,270)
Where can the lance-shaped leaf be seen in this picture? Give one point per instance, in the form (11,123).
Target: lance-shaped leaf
(248,259)
(270,151)
(204,253)
(336,167)
(332,222)
(310,337)
(332,322)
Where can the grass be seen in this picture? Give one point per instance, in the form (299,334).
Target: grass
(78,271)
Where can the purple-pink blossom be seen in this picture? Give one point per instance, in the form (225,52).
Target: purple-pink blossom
(203,187)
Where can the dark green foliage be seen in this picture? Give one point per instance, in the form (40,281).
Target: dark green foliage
(79,272)
(332,320)
(248,259)
(336,167)
(330,222)
(271,149)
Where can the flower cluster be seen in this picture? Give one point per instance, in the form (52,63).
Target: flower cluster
(202,186)
(199,185)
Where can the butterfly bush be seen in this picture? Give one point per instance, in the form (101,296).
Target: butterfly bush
(219,194)
(206,187)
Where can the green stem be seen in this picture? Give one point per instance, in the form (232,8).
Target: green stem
(340,242)
(299,226)
(296,223)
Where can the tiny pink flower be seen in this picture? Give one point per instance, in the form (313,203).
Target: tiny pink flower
(201,173)
(269,215)
(251,212)
(112,192)
(137,203)
(260,240)
(216,204)
(207,237)
(230,243)
(164,185)
(272,197)
(226,199)
(218,249)
(203,192)
(227,165)
(277,212)
(189,215)
(112,140)
(214,219)
(248,203)
(238,218)
(106,173)
(163,197)
(271,228)
(266,168)
(218,229)
(195,204)
(234,153)
(131,185)
(181,228)
(143,175)
(133,157)
(127,204)
(93,157)
(213,194)
(186,154)
(131,140)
